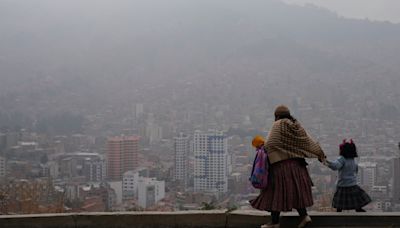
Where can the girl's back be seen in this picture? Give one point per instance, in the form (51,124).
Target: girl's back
(348,195)
(347,168)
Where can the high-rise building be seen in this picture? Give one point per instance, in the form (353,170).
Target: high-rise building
(2,167)
(95,169)
(150,191)
(210,164)
(50,169)
(153,130)
(139,110)
(367,174)
(3,142)
(76,164)
(130,184)
(181,147)
(122,155)
(396,177)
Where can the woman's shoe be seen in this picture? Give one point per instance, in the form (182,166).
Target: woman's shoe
(270,226)
(306,220)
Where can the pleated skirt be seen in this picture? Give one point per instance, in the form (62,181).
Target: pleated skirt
(350,198)
(289,188)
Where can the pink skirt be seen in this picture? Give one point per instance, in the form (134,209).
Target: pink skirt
(289,188)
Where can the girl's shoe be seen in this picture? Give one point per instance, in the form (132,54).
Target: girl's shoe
(304,223)
(270,226)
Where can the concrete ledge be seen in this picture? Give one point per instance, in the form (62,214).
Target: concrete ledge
(194,219)
(153,219)
(37,221)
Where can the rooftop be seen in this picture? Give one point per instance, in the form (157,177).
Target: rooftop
(210,219)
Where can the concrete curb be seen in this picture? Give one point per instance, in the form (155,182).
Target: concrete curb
(193,219)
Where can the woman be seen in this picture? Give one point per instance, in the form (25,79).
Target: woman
(290,187)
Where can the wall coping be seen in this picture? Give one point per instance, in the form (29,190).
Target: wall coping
(196,219)
(206,212)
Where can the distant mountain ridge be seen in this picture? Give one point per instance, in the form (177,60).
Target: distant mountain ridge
(80,55)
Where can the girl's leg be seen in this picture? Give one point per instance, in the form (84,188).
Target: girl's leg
(338,209)
(275,217)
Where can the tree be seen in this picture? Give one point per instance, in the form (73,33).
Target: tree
(208,206)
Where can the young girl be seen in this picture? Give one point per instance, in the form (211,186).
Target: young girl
(348,195)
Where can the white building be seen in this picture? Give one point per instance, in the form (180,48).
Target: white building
(139,110)
(210,164)
(117,187)
(72,191)
(2,167)
(396,179)
(50,169)
(153,130)
(130,182)
(379,192)
(150,191)
(367,174)
(181,147)
(76,164)
(95,169)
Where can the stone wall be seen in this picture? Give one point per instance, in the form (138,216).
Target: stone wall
(193,219)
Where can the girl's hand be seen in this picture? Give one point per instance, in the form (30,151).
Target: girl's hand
(324,161)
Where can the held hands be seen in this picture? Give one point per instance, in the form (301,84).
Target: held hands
(322,156)
(323,160)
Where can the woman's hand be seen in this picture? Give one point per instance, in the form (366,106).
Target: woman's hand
(322,159)
(326,163)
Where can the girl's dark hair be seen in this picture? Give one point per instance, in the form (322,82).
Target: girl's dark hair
(288,116)
(348,149)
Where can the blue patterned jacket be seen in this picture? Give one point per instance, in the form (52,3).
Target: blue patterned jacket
(347,171)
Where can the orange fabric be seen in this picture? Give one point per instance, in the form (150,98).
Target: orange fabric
(258,141)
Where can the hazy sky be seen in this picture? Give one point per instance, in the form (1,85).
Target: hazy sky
(383,10)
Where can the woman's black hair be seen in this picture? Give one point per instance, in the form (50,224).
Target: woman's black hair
(288,116)
(348,149)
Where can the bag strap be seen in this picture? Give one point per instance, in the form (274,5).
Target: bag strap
(254,163)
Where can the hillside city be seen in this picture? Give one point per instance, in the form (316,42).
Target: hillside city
(130,106)
(179,161)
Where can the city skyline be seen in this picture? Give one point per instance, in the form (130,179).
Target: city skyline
(152,106)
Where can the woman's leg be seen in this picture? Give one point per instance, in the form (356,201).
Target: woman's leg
(305,218)
(302,212)
(338,209)
(275,217)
